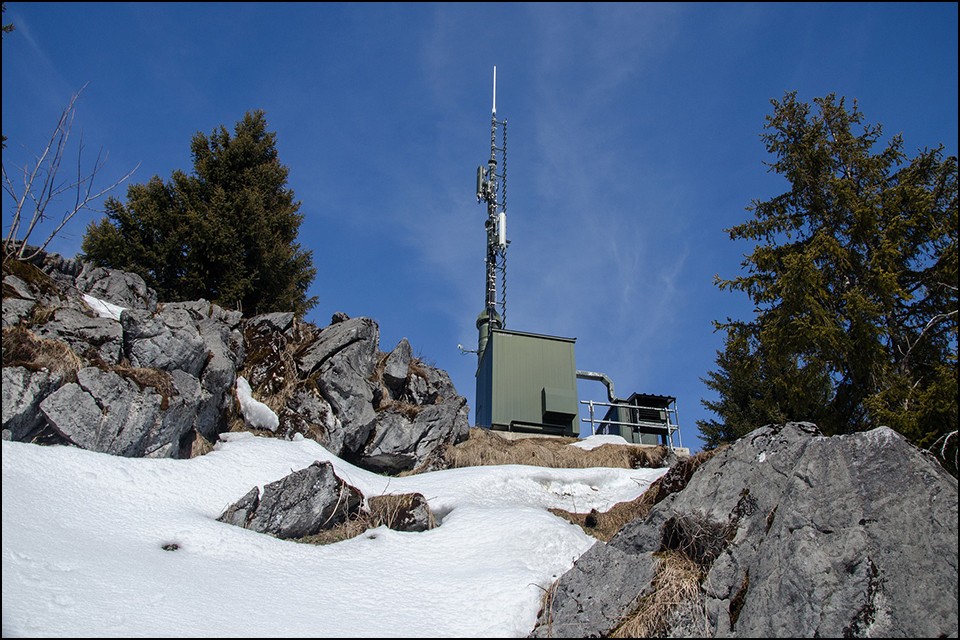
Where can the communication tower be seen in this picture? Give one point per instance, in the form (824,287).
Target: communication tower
(527,382)
(492,190)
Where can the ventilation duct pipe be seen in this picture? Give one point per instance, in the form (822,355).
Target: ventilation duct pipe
(600,377)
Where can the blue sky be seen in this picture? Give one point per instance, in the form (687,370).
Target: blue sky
(633,143)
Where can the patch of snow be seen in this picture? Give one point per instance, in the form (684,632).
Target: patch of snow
(255,413)
(592,442)
(103,309)
(96,545)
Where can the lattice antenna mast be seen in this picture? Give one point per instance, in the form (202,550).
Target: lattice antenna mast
(492,189)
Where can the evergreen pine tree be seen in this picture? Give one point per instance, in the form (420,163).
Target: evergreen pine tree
(854,281)
(226,233)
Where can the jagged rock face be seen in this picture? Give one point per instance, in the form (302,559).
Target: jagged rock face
(137,386)
(150,379)
(121,288)
(23,390)
(399,443)
(84,334)
(301,504)
(104,411)
(798,535)
(396,367)
(388,417)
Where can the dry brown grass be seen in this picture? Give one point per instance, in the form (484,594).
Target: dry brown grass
(23,348)
(485,447)
(604,525)
(546,605)
(385,510)
(40,315)
(391,510)
(160,380)
(382,396)
(349,528)
(274,357)
(30,274)
(677,582)
(195,445)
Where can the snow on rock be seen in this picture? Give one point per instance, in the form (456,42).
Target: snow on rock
(103,309)
(255,413)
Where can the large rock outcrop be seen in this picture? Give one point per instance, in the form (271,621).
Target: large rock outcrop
(300,504)
(313,500)
(90,358)
(387,412)
(795,535)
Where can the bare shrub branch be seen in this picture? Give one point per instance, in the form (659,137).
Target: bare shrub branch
(42,187)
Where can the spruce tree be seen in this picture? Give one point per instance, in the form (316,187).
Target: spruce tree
(226,233)
(854,280)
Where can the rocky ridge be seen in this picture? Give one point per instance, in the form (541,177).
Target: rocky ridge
(92,359)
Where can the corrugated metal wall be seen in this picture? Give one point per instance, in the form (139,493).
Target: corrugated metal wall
(512,374)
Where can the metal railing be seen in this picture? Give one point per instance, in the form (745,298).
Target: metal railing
(669,426)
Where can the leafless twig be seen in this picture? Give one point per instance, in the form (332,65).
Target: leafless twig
(41,187)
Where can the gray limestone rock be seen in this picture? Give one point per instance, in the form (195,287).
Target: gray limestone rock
(241,512)
(307,412)
(278,322)
(168,340)
(23,391)
(121,288)
(603,583)
(336,338)
(428,385)
(398,443)
(14,287)
(344,381)
(397,367)
(300,504)
(104,411)
(85,334)
(224,346)
(800,536)
(16,310)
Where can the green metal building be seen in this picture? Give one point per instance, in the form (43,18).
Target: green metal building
(526,382)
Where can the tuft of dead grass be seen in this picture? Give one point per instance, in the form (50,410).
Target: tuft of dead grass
(193,445)
(23,348)
(161,381)
(383,400)
(270,364)
(676,582)
(606,524)
(393,510)
(485,447)
(546,605)
(40,314)
(384,510)
(29,273)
